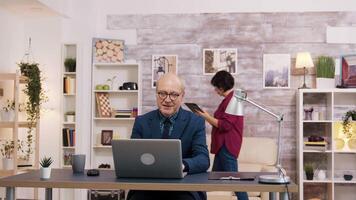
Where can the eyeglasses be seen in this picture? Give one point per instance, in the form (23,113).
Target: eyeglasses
(172,96)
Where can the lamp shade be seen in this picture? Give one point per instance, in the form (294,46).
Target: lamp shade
(304,60)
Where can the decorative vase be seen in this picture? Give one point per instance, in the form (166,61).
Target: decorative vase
(45,172)
(7,163)
(325,83)
(310,175)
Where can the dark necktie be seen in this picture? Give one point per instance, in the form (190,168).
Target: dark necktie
(166,128)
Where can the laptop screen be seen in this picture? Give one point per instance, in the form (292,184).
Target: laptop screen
(147,158)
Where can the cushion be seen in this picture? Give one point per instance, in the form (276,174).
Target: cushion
(258,150)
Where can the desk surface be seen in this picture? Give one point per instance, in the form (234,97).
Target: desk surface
(64,178)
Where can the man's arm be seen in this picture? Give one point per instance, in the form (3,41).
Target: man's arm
(199,162)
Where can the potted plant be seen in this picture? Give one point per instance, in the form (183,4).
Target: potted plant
(36,96)
(8,111)
(70,64)
(309,170)
(346,122)
(45,170)
(70,116)
(325,72)
(7,148)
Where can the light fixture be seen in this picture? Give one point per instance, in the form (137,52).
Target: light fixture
(235,107)
(304,61)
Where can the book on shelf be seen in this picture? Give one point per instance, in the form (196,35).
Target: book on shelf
(321,143)
(68,137)
(69,86)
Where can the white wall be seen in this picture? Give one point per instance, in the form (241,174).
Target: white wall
(221,6)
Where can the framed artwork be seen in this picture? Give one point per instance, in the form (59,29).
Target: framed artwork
(162,64)
(348,71)
(108,50)
(106,137)
(276,71)
(215,60)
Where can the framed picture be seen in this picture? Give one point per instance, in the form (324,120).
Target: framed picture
(162,64)
(276,71)
(106,137)
(215,60)
(348,71)
(103,104)
(108,50)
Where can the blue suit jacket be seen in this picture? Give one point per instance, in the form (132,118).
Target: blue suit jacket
(188,127)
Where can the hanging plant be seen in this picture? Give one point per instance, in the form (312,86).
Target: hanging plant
(35,93)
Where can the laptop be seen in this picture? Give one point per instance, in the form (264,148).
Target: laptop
(147,158)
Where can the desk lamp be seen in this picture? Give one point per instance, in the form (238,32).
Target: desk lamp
(304,61)
(235,107)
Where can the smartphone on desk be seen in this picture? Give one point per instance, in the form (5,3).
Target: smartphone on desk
(193,107)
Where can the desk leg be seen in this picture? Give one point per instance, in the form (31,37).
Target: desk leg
(283,196)
(10,193)
(48,194)
(273,196)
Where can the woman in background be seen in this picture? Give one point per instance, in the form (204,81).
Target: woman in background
(227,132)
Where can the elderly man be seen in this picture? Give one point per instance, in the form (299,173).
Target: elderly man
(170,121)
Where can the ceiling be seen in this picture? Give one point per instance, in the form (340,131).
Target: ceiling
(28,8)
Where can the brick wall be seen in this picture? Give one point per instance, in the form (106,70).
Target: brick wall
(253,34)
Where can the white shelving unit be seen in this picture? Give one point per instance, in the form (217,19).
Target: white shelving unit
(331,104)
(16,128)
(119,100)
(68,104)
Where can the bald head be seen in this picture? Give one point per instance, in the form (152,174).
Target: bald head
(170,93)
(172,79)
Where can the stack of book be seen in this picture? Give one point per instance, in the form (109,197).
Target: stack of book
(68,137)
(69,85)
(123,113)
(318,146)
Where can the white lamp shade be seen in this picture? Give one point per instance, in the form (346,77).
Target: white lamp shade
(304,60)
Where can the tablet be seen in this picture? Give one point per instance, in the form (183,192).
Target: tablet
(193,107)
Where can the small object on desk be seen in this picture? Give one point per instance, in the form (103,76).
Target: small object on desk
(93,172)
(237,178)
(231,176)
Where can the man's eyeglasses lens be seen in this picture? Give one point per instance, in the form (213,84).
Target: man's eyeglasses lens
(163,95)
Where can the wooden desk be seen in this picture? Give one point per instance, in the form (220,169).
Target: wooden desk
(64,178)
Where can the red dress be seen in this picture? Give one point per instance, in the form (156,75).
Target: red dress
(230,129)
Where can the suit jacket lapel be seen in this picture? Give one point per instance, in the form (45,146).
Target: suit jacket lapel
(155,130)
(179,125)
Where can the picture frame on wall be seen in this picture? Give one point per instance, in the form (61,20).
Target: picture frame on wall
(162,64)
(106,137)
(108,50)
(348,71)
(276,71)
(215,60)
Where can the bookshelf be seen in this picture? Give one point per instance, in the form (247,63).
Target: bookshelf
(68,90)
(123,106)
(68,104)
(14,128)
(336,157)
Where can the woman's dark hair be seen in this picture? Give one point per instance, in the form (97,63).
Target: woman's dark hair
(223,80)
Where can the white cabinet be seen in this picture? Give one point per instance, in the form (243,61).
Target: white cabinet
(113,110)
(335,158)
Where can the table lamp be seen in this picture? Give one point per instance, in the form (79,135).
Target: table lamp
(304,61)
(235,107)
